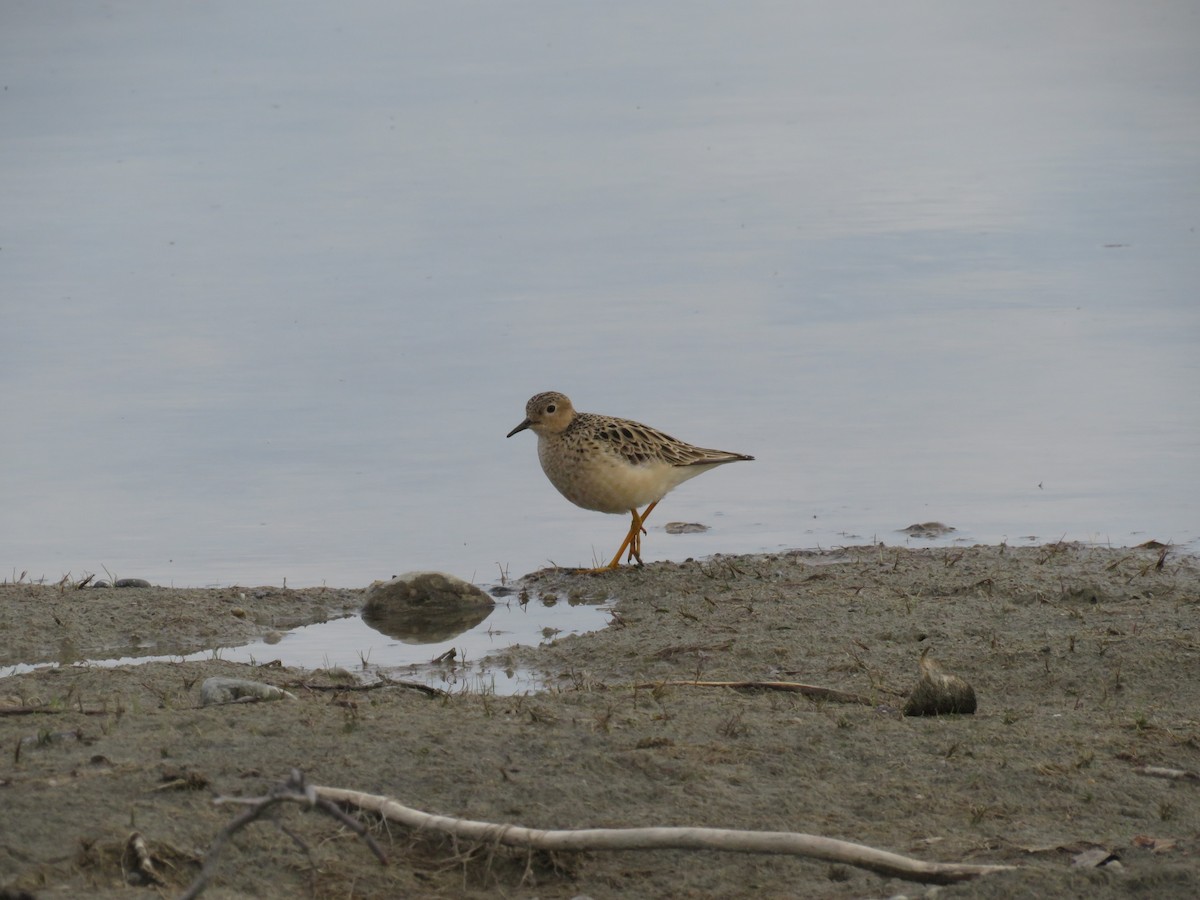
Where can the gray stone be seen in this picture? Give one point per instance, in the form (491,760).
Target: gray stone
(424,590)
(927,530)
(685,528)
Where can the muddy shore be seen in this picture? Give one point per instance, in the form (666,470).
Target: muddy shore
(1085,662)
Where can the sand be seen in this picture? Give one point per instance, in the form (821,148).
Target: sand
(1085,662)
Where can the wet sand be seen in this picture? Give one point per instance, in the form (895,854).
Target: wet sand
(1085,663)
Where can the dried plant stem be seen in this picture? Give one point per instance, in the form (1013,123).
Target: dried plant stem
(814,691)
(294,790)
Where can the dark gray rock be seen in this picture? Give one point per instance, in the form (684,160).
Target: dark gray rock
(425,590)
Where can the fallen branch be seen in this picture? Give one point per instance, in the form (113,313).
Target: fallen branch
(881,862)
(50,711)
(814,691)
(426,689)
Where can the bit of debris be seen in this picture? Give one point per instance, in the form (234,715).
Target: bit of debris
(938,693)
(239,690)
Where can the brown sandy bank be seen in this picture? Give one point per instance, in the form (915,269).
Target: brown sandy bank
(1086,663)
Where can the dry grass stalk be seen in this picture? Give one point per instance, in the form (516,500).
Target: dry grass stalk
(816,692)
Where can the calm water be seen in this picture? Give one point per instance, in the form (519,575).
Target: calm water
(277,278)
(355,647)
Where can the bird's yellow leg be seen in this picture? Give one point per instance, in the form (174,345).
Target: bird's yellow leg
(632,542)
(635,529)
(635,543)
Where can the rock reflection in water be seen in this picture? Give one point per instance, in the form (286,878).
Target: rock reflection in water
(424,625)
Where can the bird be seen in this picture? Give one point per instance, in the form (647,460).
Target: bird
(612,465)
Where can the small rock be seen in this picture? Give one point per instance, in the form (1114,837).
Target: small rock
(1094,857)
(425,589)
(131,583)
(685,528)
(927,530)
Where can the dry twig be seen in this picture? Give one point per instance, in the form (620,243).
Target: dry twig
(426,689)
(50,711)
(294,790)
(816,692)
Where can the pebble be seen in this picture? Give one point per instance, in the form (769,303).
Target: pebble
(685,528)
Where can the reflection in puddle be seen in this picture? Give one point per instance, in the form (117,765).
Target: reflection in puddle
(437,655)
(424,625)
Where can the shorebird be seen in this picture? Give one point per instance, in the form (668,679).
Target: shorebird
(612,465)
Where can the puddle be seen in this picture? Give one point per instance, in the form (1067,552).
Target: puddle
(350,643)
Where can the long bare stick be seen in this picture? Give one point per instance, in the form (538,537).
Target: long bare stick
(829,849)
(809,690)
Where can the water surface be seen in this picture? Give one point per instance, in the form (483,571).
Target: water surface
(277,278)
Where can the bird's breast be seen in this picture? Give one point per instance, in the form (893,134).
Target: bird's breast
(593,477)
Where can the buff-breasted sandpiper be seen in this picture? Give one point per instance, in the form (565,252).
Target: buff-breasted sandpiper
(612,465)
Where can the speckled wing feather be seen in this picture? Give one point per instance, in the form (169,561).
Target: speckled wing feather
(640,443)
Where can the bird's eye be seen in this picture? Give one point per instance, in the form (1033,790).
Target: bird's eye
(551,408)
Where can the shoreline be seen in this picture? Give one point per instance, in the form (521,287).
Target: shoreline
(1078,656)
